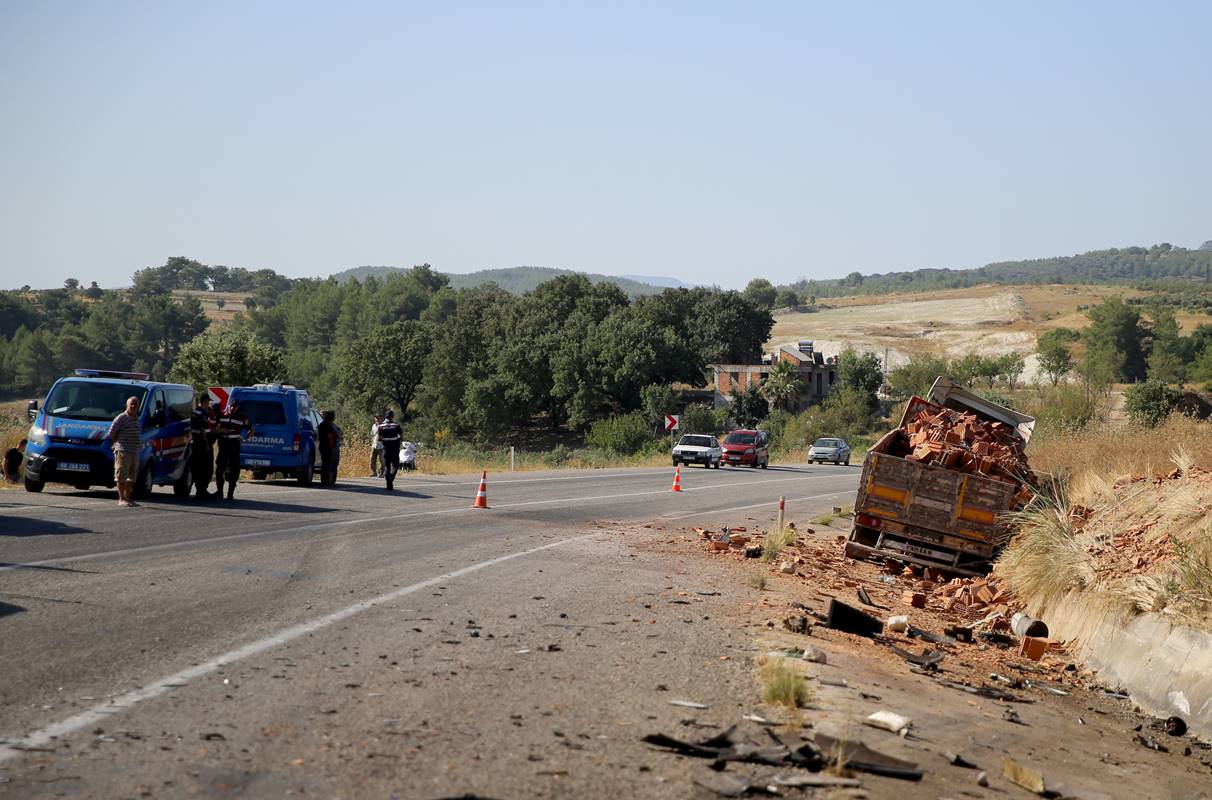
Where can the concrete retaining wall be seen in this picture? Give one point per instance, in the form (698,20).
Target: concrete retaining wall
(1166,668)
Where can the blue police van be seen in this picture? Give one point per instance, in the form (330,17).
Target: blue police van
(68,441)
(284,424)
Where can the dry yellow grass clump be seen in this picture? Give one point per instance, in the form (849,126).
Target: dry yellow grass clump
(782,685)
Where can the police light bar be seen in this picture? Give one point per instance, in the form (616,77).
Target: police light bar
(109,373)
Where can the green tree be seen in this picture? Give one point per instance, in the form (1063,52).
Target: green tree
(1055,359)
(386,366)
(782,386)
(748,408)
(227,357)
(1010,368)
(761,293)
(700,418)
(1165,358)
(1149,403)
(862,372)
(786,298)
(657,400)
(1116,337)
(917,375)
(71,284)
(623,433)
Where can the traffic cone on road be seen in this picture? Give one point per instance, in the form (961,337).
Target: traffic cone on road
(482,492)
(677,480)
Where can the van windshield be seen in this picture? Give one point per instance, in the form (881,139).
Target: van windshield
(91,400)
(264,412)
(741,438)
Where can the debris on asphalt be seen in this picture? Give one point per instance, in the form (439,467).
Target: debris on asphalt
(982,778)
(927,659)
(1010,715)
(1176,726)
(838,682)
(897,624)
(753,551)
(727,785)
(858,756)
(731,745)
(1151,743)
(847,618)
(817,781)
(688,704)
(797,624)
(865,598)
(889,721)
(1023,625)
(956,760)
(1021,775)
(759,720)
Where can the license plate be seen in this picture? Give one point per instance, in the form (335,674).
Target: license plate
(65,467)
(257,462)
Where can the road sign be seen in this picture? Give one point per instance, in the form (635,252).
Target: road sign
(671,422)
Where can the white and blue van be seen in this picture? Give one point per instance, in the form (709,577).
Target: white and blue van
(68,441)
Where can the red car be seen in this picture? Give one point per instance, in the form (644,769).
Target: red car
(745,446)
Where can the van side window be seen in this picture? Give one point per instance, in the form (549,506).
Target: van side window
(159,412)
(180,404)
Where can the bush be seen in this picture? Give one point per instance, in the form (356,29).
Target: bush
(623,433)
(1150,402)
(699,418)
(1062,409)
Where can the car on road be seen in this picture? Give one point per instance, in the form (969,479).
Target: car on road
(284,425)
(698,448)
(69,439)
(829,448)
(745,446)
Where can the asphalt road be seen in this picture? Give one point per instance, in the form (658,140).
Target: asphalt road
(302,640)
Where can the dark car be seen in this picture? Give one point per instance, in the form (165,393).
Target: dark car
(744,446)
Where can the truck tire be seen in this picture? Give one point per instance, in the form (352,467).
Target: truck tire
(181,486)
(308,475)
(33,486)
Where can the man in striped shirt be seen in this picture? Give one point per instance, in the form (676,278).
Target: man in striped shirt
(126,433)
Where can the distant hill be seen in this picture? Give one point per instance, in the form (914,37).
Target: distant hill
(1127,265)
(517,280)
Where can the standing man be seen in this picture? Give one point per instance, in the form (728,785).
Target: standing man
(230,429)
(202,451)
(376,450)
(126,434)
(390,434)
(328,448)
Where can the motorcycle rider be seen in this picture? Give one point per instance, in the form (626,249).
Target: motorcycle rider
(231,428)
(202,451)
(390,434)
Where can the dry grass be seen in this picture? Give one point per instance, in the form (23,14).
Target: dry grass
(355,461)
(782,685)
(775,542)
(757,581)
(824,519)
(1090,459)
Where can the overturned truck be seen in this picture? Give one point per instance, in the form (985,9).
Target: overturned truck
(935,490)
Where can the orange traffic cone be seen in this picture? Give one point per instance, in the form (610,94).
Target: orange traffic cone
(677,480)
(482,492)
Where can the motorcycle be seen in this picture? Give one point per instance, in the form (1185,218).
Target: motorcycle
(408,458)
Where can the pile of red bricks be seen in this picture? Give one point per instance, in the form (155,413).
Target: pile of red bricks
(968,594)
(963,441)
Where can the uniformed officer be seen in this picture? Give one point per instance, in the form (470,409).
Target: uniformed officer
(390,434)
(202,451)
(230,428)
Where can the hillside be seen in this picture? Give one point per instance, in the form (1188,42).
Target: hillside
(1128,265)
(516,280)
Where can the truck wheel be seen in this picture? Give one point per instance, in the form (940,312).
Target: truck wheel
(144,484)
(308,475)
(33,486)
(182,485)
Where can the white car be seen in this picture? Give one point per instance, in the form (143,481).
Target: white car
(697,448)
(829,449)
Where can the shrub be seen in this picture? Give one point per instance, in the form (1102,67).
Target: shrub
(1149,403)
(443,438)
(782,685)
(699,418)
(622,433)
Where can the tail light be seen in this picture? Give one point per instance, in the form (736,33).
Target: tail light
(868,521)
(298,443)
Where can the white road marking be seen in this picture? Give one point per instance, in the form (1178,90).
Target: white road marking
(707,511)
(66,727)
(151,548)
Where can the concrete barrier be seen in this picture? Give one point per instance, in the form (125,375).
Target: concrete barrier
(1167,668)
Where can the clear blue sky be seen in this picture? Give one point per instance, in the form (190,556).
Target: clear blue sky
(709,142)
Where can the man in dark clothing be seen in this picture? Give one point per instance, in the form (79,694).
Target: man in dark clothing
(202,449)
(230,428)
(328,449)
(12,462)
(390,434)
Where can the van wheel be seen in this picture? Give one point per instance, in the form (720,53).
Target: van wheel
(259,475)
(847,460)
(766,463)
(308,475)
(182,485)
(143,484)
(33,486)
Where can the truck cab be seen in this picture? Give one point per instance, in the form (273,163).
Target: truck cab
(68,441)
(284,423)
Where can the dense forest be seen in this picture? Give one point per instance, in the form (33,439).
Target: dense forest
(476,362)
(515,280)
(1128,265)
